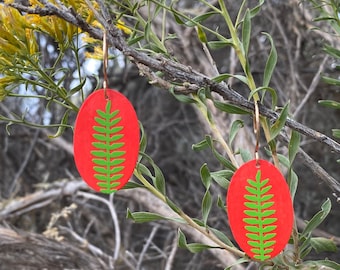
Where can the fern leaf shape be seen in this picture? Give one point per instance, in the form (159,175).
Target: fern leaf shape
(259,220)
(108,158)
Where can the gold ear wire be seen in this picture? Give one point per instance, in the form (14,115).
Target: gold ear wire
(105,62)
(257,128)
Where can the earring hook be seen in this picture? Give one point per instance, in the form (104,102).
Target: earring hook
(105,62)
(257,131)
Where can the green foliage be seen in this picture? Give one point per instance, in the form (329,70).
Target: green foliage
(192,247)
(329,11)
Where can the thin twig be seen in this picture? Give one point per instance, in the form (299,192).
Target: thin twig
(312,87)
(92,248)
(24,162)
(114,217)
(146,246)
(172,254)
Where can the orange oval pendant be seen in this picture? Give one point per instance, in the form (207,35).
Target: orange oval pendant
(106,140)
(260,209)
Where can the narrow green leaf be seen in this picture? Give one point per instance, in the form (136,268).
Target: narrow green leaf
(331,81)
(142,217)
(220,235)
(205,176)
(158,177)
(62,126)
(265,89)
(193,247)
(201,34)
(222,177)
(131,185)
(200,18)
(246,31)
(198,247)
(276,128)
(182,240)
(176,16)
(220,203)
(245,155)
(172,205)
(292,180)
(321,244)
(218,156)
(332,51)
(226,76)
(228,108)
(133,40)
(271,62)
(330,103)
(206,206)
(182,98)
(317,218)
(238,262)
(235,127)
(147,31)
(336,132)
(293,146)
(200,145)
(219,44)
(143,140)
(255,10)
(322,264)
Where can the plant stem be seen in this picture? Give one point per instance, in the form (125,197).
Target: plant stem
(216,131)
(188,219)
(246,69)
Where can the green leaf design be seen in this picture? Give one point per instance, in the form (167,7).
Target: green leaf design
(108,159)
(259,218)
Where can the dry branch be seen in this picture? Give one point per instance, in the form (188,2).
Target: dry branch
(21,250)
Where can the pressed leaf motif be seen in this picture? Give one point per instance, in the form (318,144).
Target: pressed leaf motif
(258,217)
(260,209)
(108,160)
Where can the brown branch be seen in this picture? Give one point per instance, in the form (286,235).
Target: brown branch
(178,73)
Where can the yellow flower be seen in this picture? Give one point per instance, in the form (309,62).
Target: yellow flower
(97,54)
(121,25)
(4,83)
(15,37)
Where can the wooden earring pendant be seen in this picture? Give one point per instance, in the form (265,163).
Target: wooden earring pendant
(106,138)
(259,207)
